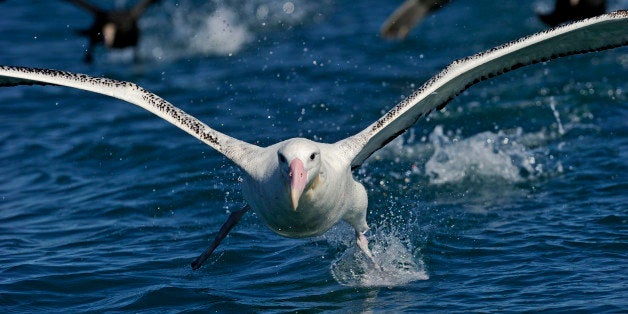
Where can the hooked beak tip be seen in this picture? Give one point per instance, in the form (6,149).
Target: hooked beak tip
(295,204)
(295,195)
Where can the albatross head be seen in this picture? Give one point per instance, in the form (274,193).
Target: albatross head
(299,163)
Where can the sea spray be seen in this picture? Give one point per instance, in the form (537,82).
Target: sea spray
(397,265)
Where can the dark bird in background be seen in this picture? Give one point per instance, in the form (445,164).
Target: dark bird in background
(571,10)
(113,28)
(406,16)
(411,12)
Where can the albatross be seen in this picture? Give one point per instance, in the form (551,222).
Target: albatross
(301,188)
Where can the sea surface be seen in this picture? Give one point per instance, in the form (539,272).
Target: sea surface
(512,199)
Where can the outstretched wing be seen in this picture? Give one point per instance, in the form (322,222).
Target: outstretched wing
(594,34)
(232,148)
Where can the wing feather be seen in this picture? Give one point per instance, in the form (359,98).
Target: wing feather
(599,33)
(232,148)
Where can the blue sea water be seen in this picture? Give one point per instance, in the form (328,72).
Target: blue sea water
(514,198)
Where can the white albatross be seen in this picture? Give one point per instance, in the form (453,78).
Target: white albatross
(301,188)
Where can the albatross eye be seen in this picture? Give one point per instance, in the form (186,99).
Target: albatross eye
(313,156)
(282,158)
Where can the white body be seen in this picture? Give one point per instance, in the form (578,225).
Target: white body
(332,195)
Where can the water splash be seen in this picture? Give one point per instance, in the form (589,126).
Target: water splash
(398,264)
(508,155)
(552,103)
(206,30)
(220,33)
(486,154)
(216,28)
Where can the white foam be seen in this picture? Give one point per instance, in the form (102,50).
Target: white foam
(399,266)
(190,30)
(486,154)
(215,28)
(220,33)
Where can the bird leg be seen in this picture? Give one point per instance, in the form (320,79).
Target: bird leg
(363,244)
(222,233)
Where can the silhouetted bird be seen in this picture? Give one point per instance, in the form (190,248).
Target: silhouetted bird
(572,10)
(114,28)
(411,12)
(406,16)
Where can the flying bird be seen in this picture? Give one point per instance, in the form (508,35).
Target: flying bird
(115,29)
(407,15)
(301,188)
(411,12)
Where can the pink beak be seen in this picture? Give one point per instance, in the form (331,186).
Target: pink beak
(298,180)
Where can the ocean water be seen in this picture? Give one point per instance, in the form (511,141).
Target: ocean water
(514,198)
